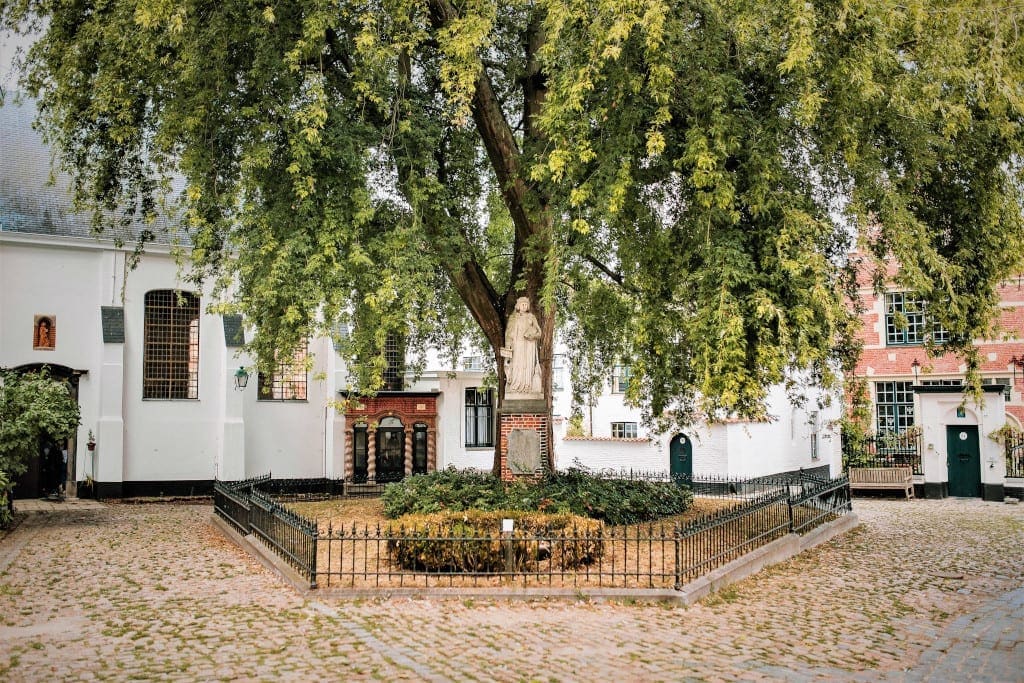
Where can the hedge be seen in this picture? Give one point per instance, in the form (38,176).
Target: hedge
(471,541)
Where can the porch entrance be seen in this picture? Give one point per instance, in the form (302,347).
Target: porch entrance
(963,459)
(680,457)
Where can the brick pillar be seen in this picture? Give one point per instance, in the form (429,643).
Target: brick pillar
(522,415)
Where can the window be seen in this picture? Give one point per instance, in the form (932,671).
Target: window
(895,404)
(419,448)
(360,467)
(558,372)
(473,363)
(479,417)
(942,382)
(815,428)
(623,430)
(287,382)
(912,310)
(170,365)
(394,363)
(620,379)
(1005,381)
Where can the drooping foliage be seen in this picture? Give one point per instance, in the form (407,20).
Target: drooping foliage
(33,407)
(678,182)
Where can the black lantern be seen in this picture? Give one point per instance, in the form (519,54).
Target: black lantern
(241,379)
(916,367)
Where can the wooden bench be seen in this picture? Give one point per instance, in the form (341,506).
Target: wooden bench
(900,478)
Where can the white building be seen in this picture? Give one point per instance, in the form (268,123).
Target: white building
(155,376)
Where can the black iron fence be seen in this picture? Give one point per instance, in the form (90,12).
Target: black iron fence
(884,450)
(642,555)
(292,537)
(1014,444)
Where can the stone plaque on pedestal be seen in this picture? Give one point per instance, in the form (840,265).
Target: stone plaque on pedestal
(523,434)
(524,451)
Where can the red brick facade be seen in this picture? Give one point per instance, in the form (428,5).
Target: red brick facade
(510,421)
(410,408)
(884,362)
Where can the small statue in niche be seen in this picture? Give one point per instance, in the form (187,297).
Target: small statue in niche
(44,336)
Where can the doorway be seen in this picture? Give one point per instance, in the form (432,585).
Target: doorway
(680,458)
(52,470)
(963,460)
(390,450)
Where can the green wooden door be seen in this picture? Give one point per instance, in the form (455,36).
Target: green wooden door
(680,457)
(963,458)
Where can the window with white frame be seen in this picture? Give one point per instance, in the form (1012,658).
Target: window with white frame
(288,380)
(894,403)
(479,417)
(558,372)
(906,321)
(473,363)
(624,430)
(620,379)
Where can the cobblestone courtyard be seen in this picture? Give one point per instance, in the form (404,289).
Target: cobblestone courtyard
(923,590)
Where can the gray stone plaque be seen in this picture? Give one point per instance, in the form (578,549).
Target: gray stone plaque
(523,451)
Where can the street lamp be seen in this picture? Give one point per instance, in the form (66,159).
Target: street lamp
(916,367)
(241,379)
(1017,362)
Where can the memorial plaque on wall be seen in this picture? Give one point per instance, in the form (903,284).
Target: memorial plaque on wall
(523,451)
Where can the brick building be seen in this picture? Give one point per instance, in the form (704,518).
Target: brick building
(917,401)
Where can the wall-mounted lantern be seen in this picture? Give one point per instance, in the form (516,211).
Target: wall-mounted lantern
(241,379)
(916,367)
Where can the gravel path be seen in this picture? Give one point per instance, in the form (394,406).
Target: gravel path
(922,591)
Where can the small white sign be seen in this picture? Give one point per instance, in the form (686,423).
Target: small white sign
(963,436)
(507,525)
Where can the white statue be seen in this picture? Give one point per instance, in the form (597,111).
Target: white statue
(522,365)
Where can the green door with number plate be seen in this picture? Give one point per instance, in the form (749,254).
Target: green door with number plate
(963,458)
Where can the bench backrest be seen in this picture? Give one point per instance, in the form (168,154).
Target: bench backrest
(883,475)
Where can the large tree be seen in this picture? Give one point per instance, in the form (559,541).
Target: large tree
(675,183)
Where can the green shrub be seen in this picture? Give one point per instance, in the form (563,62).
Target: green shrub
(5,494)
(471,541)
(575,491)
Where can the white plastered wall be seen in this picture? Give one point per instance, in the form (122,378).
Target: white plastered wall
(938,411)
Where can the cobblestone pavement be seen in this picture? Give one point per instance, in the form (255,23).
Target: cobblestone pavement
(922,591)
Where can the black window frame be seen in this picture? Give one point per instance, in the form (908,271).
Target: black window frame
(478,411)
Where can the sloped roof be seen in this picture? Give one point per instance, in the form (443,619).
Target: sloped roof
(31,203)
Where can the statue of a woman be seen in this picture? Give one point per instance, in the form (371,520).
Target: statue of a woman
(522,366)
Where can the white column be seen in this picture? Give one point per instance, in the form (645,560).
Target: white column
(107,465)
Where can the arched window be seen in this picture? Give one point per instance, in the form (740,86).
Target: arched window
(170,367)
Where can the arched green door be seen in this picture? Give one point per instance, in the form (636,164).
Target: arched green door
(680,457)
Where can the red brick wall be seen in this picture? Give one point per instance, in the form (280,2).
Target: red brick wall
(880,362)
(408,409)
(508,422)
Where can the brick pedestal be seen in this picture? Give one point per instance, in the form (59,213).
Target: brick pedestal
(530,415)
